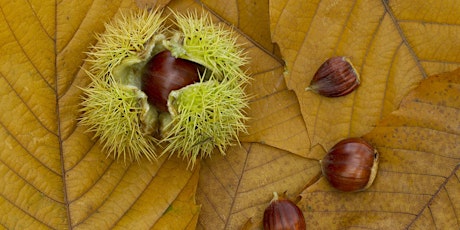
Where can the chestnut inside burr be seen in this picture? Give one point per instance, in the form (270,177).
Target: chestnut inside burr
(164,73)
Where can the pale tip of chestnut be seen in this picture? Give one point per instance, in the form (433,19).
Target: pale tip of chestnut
(350,165)
(336,77)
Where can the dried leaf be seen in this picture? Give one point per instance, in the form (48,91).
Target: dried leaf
(274,112)
(240,185)
(392,44)
(251,17)
(235,189)
(54,174)
(417,185)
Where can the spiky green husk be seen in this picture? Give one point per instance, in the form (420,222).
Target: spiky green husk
(205,116)
(113,112)
(131,35)
(211,45)
(114,107)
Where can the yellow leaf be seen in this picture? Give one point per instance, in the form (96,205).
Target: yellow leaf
(183,208)
(31,193)
(238,186)
(251,17)
(53,174)
(417,183)
(274,112)
(389,58)
(392,44)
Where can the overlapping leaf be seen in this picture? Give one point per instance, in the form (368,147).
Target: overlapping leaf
(309,32)
(54,175)
(77,184)
(238,186)
(417,184)
(393,44)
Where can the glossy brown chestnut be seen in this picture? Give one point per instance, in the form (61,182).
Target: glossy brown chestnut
(165,73)
(335,77)
(283,214)
(351,165)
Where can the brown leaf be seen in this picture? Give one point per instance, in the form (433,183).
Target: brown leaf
(240,185)
(417,182)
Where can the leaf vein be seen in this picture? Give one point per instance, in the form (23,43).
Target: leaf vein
(219,181)
(428,22)
(213,206)
(385,89)
(232,205)
(83,157)
(344,25)
(26,212)
(260,186)
(78,28)
(368,50)
(27,106)
(413,150)
(93,185)
(40,22)
(28,182)
(24,52)
(428,204)
(95,210)
(26,150)
(403,37)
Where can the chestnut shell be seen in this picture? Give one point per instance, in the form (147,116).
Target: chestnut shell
(350,165)
(283,214)
(336,77)
(164,73)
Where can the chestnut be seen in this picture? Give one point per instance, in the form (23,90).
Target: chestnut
(336,77)
(164,73)
(350,165)
(283,214)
